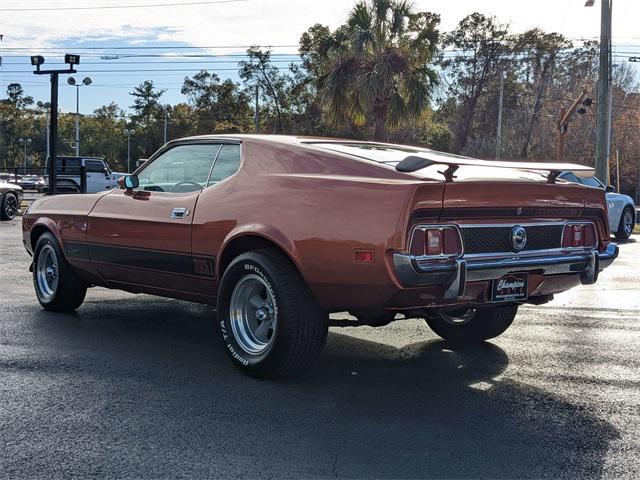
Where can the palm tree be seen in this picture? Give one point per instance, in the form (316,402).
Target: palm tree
(375,68)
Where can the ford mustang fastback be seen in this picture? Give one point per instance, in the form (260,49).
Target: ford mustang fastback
(278,232)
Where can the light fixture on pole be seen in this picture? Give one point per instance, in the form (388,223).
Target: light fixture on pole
(128,132)
(37,61)
(86,81)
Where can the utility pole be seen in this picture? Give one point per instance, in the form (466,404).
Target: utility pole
(499,130)
(617,170)
(565,117)
(603,124)
(257,115)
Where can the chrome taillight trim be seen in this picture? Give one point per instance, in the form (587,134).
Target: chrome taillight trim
(577,222)
(509,254)
(436,227)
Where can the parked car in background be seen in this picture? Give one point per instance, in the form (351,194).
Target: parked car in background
(7,177)
(99,176)
(10,199)
(622,211)
(29,182)
(277,232)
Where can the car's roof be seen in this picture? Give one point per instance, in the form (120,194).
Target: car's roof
(389,155)
(289,139)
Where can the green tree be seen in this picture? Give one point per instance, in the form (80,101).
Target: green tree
(482,52)
(219,106)
(148,116)
(540,52)
(259,71)
(15,124)
(375,68)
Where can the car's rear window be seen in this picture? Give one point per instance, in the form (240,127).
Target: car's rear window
(377,153)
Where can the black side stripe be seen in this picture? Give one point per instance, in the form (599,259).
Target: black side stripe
(162,261)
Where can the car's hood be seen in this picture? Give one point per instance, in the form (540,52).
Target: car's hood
(9,186)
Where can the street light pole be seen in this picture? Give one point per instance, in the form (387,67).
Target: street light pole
(86,82)
(166,122)
(603,123)
(128,132)
(24,143)
(37,61)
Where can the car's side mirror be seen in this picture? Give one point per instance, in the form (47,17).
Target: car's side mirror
(106,172)
(610,189)
(130,182)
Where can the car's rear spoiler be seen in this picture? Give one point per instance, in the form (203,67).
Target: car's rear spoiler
(414,163)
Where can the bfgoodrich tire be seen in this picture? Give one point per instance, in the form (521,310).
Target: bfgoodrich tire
(473,325)
(270,323)
(57,286)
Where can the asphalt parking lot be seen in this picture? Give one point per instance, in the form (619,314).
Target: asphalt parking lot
(140,387)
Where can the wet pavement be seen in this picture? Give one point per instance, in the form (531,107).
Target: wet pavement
(134,386)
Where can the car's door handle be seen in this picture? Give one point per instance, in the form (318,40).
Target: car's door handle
(180,212)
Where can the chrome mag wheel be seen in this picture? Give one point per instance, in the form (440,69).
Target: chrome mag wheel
(458,317)
(10,206)
(47,272)
(253,314)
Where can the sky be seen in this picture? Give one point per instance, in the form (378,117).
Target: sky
(223,30)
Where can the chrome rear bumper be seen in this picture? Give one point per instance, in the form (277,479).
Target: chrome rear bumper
(454,274)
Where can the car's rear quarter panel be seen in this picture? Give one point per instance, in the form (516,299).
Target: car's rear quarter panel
(320,209)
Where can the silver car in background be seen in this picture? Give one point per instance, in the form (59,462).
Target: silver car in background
(622,212)
(10,199)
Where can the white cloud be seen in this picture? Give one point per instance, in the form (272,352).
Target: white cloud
(279,21)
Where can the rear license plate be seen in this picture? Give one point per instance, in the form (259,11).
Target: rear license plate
(509,288)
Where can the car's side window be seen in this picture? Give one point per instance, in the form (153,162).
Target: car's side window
(592,182)
(94,166)
(569,177)
(227,163)
(184,168)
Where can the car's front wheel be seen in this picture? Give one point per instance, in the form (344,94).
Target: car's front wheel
(57,286)
(472,325)
(627,223)
(9,206)
(270,323)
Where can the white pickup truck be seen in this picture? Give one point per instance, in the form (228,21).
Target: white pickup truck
(99,175)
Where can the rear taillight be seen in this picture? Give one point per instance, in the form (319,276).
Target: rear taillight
(579,235)
(436,241)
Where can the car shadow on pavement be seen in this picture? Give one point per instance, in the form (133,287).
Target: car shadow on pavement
(157,397)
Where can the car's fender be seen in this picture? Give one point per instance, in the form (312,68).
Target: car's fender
(269,233)
(40,223)
(616,203)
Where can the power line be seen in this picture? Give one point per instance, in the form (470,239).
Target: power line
(129,71)
(149,47)
(160,62)
(114,7)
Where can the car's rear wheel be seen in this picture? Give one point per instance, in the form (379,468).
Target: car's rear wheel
(270,322)
(627,223)
(57,286)
(471,325)
(9,206)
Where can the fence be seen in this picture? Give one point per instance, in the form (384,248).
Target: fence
(69,179)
